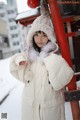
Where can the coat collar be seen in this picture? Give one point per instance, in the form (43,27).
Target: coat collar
(33,54)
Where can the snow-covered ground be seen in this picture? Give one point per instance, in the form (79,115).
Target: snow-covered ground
(12,104)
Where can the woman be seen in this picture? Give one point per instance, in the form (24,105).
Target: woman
(44,72)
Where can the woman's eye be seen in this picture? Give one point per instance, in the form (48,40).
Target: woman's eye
(44,35)
(36,35)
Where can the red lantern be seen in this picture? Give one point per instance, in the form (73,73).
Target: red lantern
(33,3)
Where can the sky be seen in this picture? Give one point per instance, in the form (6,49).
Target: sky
(21,4)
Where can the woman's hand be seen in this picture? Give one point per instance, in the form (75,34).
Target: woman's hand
(23,63)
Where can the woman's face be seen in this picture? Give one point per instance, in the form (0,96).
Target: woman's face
(40,39)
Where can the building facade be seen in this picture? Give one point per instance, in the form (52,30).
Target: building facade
(4,43)
(16,33)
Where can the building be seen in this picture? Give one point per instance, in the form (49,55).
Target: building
(4,43)
(16,32)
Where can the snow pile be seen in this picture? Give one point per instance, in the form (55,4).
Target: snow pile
(6,86)
(7,81)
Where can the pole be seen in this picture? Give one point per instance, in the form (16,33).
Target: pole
(62,40)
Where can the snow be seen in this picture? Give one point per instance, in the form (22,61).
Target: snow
(13,89)
(9,85)
(27,14)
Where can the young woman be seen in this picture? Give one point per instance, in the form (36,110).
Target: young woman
(44,72)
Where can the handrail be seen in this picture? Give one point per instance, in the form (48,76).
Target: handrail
(77,74)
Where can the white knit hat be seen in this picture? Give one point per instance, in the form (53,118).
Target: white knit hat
(42,23)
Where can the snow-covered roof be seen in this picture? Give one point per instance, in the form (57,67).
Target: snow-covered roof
(28,14)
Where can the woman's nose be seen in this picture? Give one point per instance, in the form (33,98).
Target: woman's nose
(39,38)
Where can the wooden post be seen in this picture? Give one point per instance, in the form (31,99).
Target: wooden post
(62,40)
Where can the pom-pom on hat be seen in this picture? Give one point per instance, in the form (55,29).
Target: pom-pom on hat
(41,23)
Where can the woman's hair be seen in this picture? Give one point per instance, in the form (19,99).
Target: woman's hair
(34,44)
(38,49)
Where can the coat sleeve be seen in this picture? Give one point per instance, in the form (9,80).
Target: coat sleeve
(60,73)
(16,70)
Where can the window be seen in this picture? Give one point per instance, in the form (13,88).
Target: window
(10,2)
(11,20)
(1,7)
(6,41)
(15,43)
(1,14)
(10,12)
(14,35)
(13,27)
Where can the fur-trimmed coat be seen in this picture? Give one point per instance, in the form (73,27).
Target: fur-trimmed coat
(45,77)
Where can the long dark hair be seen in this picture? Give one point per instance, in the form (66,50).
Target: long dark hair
(38,49)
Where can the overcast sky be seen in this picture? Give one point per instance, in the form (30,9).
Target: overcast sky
(22,5)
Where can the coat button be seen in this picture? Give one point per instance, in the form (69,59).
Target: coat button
(28,81)
(49,82)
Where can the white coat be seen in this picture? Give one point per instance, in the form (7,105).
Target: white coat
(42,97)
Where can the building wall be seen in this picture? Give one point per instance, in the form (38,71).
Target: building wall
(4,41)
(16,33)
(2,26)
